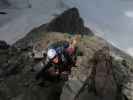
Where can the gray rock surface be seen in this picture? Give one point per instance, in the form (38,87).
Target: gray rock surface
(107,81)
(98,76)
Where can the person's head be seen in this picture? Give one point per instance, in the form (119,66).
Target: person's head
(52,55)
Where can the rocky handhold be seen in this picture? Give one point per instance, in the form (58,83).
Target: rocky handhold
(69,21)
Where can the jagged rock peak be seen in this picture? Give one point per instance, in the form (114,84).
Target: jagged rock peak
(69,21)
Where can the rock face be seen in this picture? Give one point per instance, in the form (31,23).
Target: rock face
(70,21)
(104,79)
(104,82)
(98,75)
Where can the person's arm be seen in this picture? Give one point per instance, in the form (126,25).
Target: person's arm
(42,72)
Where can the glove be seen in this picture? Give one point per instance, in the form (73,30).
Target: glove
(64,75)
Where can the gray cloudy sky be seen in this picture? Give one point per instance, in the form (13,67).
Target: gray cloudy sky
(112,18)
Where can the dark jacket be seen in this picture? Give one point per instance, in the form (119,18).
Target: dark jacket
(66,62)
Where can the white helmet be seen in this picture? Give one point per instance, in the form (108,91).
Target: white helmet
(51,53)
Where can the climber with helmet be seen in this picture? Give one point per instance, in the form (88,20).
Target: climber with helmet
(60,58)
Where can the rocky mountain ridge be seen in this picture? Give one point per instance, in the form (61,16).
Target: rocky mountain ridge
(104,72)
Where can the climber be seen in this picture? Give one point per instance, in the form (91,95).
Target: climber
(61,56)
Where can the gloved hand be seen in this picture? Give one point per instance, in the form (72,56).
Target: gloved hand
(53,72)
(64,75)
